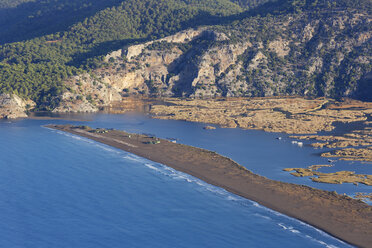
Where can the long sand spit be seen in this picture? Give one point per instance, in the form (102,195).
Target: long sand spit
(341,216)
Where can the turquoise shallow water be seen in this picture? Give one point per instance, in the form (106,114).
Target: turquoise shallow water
(60,190)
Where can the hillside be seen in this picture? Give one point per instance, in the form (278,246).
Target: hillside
(312,53)
(26,19)
(244,48)
(36,68)
(12,3)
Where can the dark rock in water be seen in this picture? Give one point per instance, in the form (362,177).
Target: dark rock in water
(209,128)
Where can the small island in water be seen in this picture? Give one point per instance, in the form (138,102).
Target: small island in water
(339,215)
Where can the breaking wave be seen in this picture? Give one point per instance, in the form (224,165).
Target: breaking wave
(177,175)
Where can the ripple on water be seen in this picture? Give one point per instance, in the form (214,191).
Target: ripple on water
(61,190)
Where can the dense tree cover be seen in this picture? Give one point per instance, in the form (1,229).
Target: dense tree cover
(12,3)
(39,65)
(26,19)
(248,4)
(35,68)
(29,19)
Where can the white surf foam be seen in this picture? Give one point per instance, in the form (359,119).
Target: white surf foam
(74,136)
(107,148)
(151,167)
(320,242)
(135,158)
(263,216)
(177,175)
(289,228)
(86,140)
(295,231)
(97,144)
(322,233)
(167,171)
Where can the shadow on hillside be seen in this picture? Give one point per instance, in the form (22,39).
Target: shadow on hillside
(102,49)
(34,19)
(270,8)
(364,90)
(186,66)
(203,18)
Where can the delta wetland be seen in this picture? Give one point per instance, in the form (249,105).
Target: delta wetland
(313,120)
(316,121)
(339,130)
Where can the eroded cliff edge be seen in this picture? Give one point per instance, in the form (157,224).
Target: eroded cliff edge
(12,106)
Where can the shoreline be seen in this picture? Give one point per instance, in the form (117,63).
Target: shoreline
(346,124)
(340,216)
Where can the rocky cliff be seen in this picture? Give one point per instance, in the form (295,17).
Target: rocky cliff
(314,53)
(12,106)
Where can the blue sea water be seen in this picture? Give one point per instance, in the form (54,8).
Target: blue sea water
(61,190)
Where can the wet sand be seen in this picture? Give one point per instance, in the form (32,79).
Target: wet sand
(341,216)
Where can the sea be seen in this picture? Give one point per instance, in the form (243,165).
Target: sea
(61,190)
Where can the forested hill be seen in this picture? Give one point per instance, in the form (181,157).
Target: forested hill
(35,68)
(12,3)
(27,19)
(57,39)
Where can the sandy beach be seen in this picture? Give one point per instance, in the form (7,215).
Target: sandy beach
(341,216)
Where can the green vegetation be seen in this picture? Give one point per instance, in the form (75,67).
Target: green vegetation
(36,68)
(99,130)
(12,3)
(26,19)
(45,42)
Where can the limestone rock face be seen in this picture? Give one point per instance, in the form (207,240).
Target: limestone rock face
(12,106)
(286,56)
(86,94)
(74,106)
(178,65)
(133,51)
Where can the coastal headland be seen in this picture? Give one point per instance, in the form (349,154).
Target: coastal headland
(339,215)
